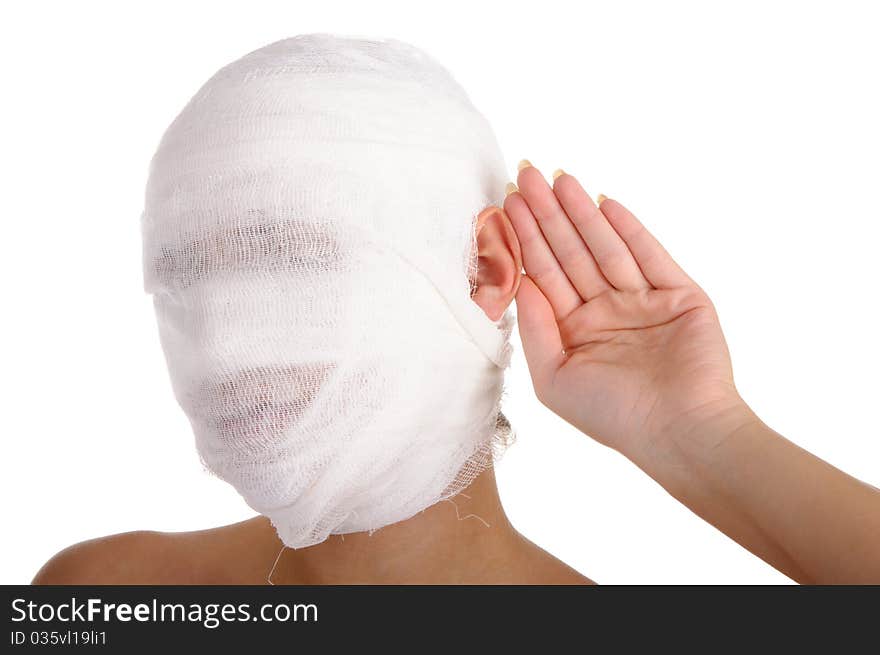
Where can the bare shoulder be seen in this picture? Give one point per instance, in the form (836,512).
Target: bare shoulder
(541,567)
(127,558)
(151,557)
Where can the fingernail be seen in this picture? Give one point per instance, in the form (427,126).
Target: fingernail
(524,163)
(511,188)
(600,199)
(558,172)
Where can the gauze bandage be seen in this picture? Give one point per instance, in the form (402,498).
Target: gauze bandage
(309,243)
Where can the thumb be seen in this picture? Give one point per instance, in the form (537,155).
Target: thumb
(539,333)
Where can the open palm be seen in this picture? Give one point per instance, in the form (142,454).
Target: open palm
(620,342)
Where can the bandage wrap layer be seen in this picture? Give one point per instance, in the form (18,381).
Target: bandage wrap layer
(308,238)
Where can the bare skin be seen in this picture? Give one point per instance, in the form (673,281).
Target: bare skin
(625,346)
(466,541)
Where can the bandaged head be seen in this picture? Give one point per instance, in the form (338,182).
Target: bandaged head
(309,243)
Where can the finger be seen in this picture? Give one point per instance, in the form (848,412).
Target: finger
(565,242)
(539,333)
(609,250)
(657,265)
(538,259)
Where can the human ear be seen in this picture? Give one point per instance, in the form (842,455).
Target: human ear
(499,262)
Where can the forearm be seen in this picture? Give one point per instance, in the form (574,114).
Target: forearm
(806,518)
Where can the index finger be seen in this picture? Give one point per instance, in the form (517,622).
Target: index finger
(538,259)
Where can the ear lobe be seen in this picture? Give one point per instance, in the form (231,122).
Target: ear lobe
(499,262)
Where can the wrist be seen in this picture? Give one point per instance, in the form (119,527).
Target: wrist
(708,427)
(675,455)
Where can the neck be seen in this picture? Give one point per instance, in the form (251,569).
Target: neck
(467,539)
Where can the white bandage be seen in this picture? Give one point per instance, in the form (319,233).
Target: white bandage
(309,243)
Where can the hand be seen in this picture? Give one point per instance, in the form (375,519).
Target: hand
(620,342)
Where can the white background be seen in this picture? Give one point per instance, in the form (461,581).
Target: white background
(745,137)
